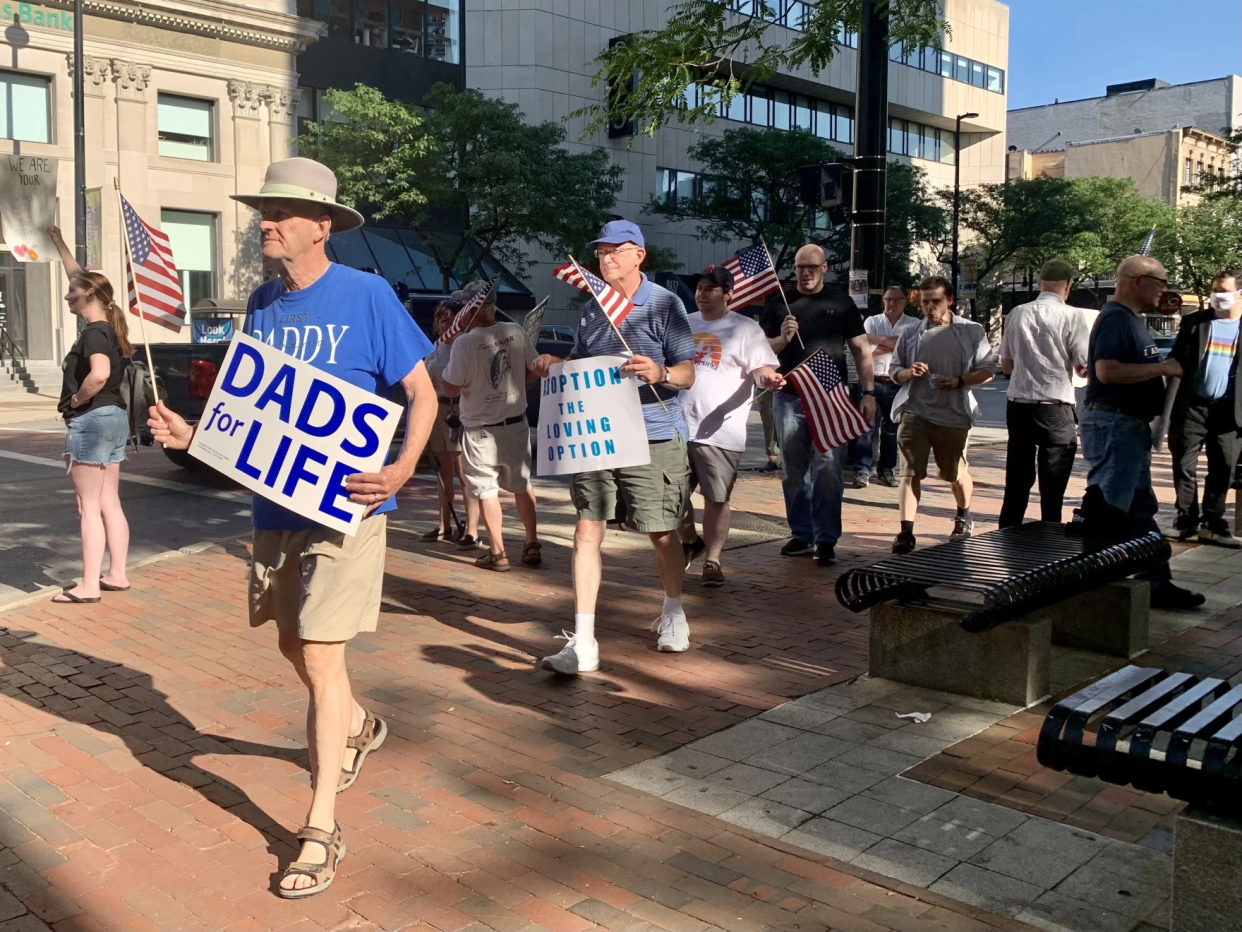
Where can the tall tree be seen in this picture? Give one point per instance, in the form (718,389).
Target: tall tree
(750,189)
(726,46)
(1115,220)
(467,174)
(1205,238)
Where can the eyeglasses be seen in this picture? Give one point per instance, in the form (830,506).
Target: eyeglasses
(810,268)
(604,253)
(1154,278)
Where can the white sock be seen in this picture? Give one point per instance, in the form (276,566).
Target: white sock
(584,627)
(672,606)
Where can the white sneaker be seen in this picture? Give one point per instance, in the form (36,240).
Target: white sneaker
(674,633)
(575,657)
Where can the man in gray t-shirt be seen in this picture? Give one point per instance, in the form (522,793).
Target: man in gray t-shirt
(935,364)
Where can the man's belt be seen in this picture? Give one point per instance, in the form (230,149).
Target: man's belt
(505,423)
(1031,401)
(887,380)
(444,401)
(648,394)
(1111,408)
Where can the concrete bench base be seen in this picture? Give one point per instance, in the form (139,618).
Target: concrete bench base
(1207,873)
(1112,619)
(925,646)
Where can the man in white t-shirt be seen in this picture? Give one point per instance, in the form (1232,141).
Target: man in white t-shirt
(883,331)
(732,354)
(489,366)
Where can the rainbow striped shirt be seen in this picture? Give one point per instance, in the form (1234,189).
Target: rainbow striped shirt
(1216,370)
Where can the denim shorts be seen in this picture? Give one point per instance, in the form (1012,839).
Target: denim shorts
(98,436)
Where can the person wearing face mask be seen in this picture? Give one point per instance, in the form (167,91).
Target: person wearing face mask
(1206,413)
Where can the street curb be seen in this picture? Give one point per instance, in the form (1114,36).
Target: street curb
(40,595)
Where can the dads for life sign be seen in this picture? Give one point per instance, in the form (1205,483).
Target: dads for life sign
(590,418)
(293,433)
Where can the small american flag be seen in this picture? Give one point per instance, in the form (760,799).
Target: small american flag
(156,278)
(831,416)
(753,275)
(568,273)
(465,317)
(614,304)
(1145,249)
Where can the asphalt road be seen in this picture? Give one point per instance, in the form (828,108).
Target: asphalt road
(39,542)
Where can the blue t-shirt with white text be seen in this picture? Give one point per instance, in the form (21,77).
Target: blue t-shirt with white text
(349,324)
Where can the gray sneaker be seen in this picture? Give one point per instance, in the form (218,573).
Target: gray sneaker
(861,481)
(1217,532)
(963,527)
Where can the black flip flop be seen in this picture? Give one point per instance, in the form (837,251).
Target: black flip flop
(108,587)
(71,598)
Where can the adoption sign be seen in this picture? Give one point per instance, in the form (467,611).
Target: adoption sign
(292,432)
(590,418)
(28,205)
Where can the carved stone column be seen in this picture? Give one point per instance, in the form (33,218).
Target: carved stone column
(282,115)
(250,160)
(133,139)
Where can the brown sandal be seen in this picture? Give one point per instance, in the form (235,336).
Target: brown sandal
(324,873)
(491,561)
(532,553)
(374,731)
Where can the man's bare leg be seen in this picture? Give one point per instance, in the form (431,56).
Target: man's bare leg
(588,566)
(332,717)
(908,496)
(715,528)
(963,489)
(525,502)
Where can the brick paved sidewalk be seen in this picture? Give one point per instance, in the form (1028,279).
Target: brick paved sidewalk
(153,759)
(153,765)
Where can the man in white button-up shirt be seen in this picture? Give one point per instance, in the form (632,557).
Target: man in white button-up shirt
(1044,342)
(883,332)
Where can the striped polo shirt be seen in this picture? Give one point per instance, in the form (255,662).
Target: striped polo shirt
(657,327)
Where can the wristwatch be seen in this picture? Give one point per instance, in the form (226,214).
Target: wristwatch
(869,391)
(663,375)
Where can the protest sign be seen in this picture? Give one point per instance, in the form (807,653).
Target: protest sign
(28,205)
(94,228)
(292,432)
(590,418)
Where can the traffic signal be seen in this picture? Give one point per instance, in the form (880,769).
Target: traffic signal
(827,185)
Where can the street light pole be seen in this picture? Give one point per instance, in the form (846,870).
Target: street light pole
(957,191)
(79,138)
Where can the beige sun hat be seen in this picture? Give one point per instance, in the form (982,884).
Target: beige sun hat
(304,180)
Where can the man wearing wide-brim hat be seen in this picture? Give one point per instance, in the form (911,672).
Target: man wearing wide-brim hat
(320,586)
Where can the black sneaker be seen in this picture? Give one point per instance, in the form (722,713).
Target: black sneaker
(797,548)
(469,542)
(713,575)
(769,466)
(1184,528)
(903,542)
(825,554)
(693,550)
(861,481)
(1217,532)
(963,527)
(888,479)
(1174,598)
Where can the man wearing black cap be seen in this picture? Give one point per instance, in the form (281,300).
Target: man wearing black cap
(1044,342)
(731,355)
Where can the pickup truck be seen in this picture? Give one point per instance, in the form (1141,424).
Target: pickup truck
(186,372)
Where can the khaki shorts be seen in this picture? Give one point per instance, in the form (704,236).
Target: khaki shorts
(440,440)
(319,584)
(713,470)
(917,437)
(495,458)
(654,495)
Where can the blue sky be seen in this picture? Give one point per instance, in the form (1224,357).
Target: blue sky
(1072,48)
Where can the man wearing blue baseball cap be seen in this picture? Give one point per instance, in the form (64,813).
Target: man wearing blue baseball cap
(658,332)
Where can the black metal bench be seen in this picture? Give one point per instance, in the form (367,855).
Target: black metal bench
(1170,733)
(1160,732)
(1002,575)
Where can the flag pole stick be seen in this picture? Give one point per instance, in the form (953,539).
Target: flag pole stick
(789,373)
(128,258)
(781,289)
(617,331)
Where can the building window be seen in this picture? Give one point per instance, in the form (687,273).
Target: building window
(185,128)
(24,107)
(673,184)
(429,30)
(1187,170)
(919,141)
(192,236)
